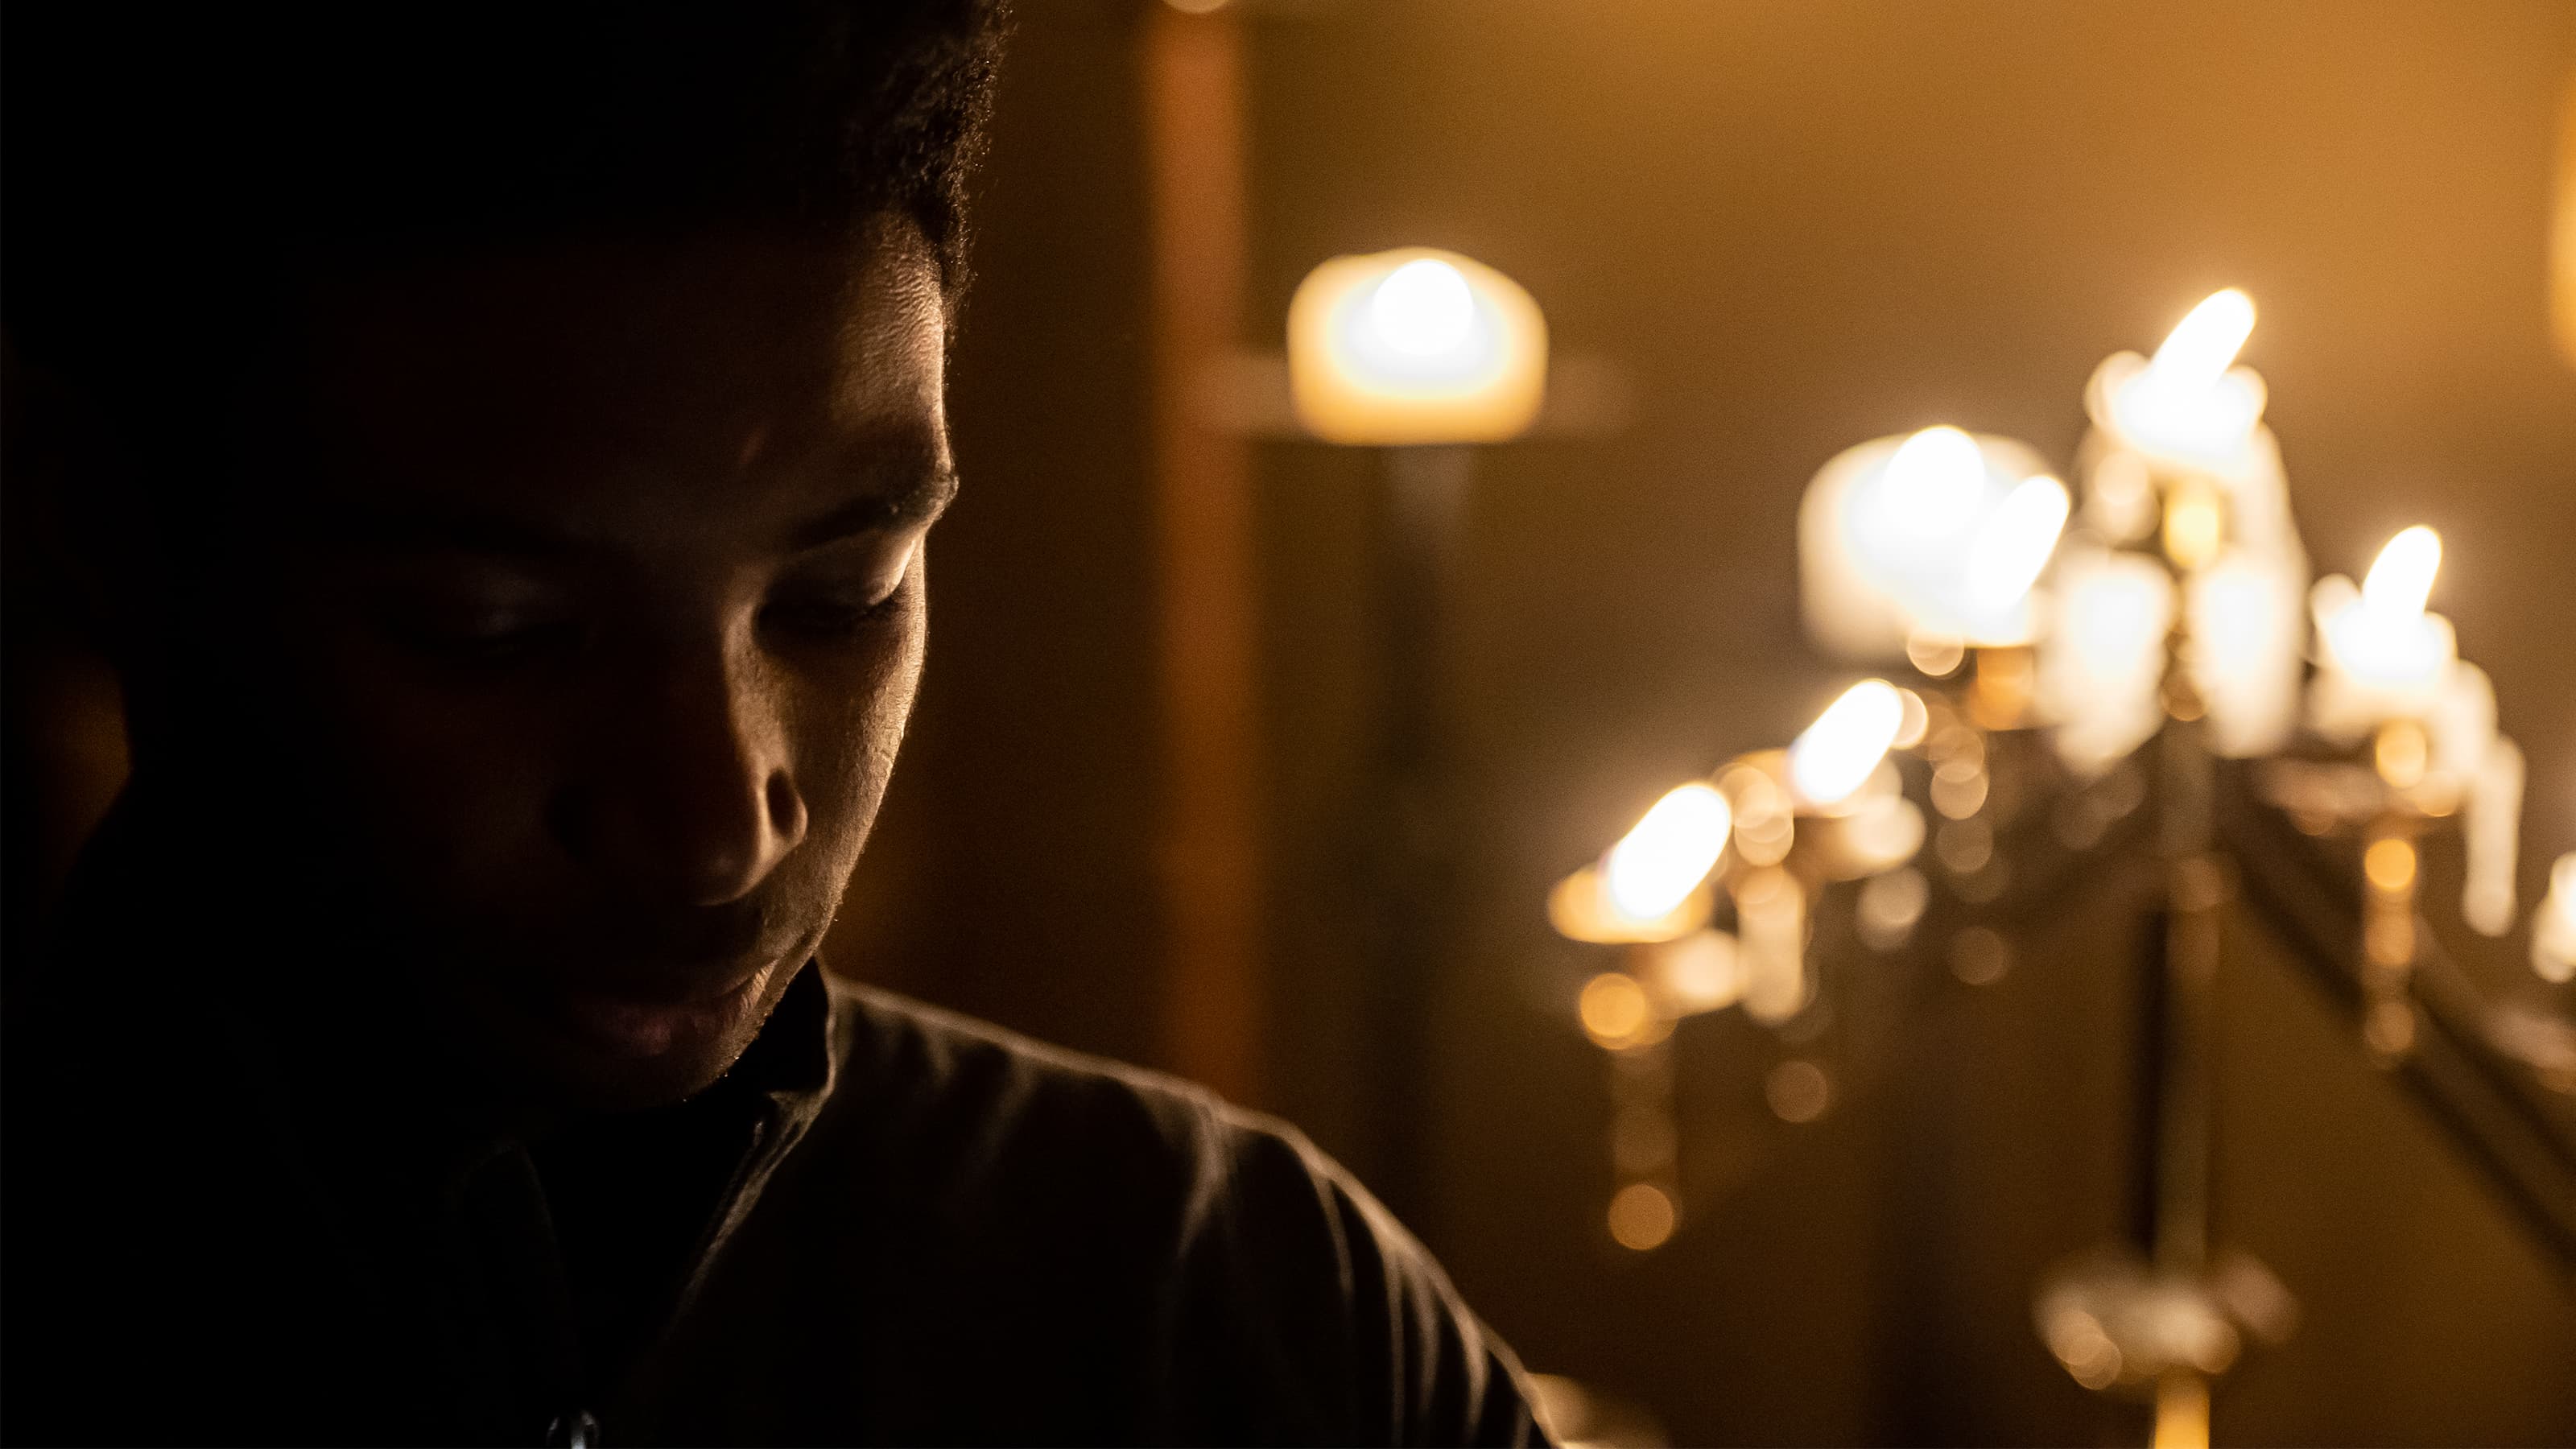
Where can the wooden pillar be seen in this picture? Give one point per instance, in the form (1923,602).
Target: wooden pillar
(1208,666)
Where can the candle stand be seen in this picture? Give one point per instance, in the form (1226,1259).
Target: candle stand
(2116,699)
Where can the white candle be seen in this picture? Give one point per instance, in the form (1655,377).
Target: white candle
(2382,656)
(1939,531)
(1835,756)
(1665,855)
(2187,407)
(2187,411)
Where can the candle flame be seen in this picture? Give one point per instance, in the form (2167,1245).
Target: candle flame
(2016,542)
(1837,753)
(2402,577)
(2204,345)
(1935,481)
(1668,853)
(1423,309)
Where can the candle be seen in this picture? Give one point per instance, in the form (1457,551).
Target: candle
(2188,406)
(2191,417)
(1414,346)
(2102,664)
(1939,531)
(1646,887)
(2383,657)
(1835,756)
(1665,856)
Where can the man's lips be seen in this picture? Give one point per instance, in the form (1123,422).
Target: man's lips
(639,1020)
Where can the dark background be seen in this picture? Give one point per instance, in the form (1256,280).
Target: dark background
(1792,225)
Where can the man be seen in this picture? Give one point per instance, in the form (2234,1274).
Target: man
(504,448)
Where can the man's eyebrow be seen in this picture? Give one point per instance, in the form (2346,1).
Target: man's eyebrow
(912,504)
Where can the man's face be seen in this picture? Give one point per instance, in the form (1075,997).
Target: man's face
(595,619)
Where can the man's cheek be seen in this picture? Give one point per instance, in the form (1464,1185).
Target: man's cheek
(448,787)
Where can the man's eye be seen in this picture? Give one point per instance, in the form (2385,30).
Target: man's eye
(482,636)
(828,616)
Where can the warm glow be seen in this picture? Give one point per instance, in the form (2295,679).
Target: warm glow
(1935,482)
(2195,526)
(2390,864)
(2182,1411)
(1917,719)
(2402,577)
(1668,853)
(2385,656)
(1837,753)
(1423,309)
(2204,345)
(1699,972)
(2189,406)
(2401,752)
(1615,1010)
(1414,347)
(1799,1091)
(2016,541)
(1642,1217)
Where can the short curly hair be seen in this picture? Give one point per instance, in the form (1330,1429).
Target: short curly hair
(177,168)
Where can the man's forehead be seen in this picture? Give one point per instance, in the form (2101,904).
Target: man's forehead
(568,377)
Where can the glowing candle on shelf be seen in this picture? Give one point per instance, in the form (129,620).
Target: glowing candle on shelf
(1936,532)
(2384,656)
(1836,756)
(1414,346)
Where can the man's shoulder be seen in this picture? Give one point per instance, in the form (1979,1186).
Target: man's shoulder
(954,1097)
(1149,1262)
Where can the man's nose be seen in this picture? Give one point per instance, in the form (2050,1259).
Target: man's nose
(698,798)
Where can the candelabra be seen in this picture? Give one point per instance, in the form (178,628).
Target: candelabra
(2144,675)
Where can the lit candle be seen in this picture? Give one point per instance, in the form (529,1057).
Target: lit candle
(1939,532)
(2188,405)
(1665,856)
(1414,346)
(2383,656)
(1646,887)
(1835,756)
(2190,416)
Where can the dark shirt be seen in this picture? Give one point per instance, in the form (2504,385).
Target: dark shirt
(887,1224)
